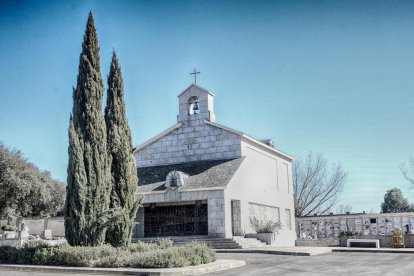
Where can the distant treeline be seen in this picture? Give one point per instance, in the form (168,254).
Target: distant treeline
(25,190)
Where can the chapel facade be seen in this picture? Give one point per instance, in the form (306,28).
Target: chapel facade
(202,178)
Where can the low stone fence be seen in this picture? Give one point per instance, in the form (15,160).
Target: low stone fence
(37,225)
(318,243)
(385,241)
(18,242)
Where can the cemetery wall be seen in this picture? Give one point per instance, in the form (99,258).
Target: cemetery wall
(367,225)
(37,225)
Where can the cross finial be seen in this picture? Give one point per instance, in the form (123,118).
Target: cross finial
(195,75)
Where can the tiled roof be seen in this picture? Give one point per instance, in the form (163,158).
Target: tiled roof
(202,174)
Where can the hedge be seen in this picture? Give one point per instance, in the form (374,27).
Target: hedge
(139,255)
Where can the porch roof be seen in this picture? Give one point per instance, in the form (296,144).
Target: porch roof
(201,174)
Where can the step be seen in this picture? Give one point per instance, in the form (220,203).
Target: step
(249,242)
(236,242)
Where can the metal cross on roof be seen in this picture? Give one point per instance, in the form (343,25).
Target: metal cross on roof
(195,75)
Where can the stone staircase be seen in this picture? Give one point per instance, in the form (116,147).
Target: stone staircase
(249,242)
(237,242)
(216,243)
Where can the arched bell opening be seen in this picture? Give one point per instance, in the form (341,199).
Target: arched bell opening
(193,105)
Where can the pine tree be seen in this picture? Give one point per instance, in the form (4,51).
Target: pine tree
(123,169)
(88,187)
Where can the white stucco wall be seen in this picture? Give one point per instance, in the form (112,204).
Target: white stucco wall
(262,179)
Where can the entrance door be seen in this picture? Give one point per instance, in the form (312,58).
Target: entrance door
(175,220)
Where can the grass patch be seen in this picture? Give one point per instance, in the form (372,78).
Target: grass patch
(138,255)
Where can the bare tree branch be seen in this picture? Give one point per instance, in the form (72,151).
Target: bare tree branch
(407,170)
(316,186)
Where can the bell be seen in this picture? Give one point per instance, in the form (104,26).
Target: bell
(195,107)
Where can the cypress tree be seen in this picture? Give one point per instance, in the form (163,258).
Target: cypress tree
(88,181)
(123,169)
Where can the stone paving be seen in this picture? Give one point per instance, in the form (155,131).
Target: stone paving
(219,265)
(354,264)
(295,251)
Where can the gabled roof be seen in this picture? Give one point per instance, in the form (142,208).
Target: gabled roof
(251,139)
(199,87)
(156,138)
(202,175)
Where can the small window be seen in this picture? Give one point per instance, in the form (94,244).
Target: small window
(173,182)
(373,220)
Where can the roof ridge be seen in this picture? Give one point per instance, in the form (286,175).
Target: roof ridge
(197,86)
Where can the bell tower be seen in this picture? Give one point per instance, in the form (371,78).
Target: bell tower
(196,103)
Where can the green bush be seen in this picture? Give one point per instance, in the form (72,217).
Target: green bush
(165,243)
(144,246)
(120,258)
(8,255)
(190,254)
(265,226)
(153,255)
(141,247)
(67,256)
(8,227)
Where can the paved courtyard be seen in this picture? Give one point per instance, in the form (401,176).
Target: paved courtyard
(326,264)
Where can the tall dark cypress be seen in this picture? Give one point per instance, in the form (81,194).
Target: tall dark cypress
(123,169)
(88,181)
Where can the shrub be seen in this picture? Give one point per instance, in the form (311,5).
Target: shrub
(20,255)
(191,254)
(120,258)
(144,246)
(199,253)
(8,255)
(165,243)
(153,255)
(265,226)
(8,227)
(141,247)
(66,256)
(159,259)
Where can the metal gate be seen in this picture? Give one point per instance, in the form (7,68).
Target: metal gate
(175,220)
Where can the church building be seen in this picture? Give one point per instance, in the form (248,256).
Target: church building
(202,178)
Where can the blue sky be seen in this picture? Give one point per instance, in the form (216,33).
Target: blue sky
(334,77)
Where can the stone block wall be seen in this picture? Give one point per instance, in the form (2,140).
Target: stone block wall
(138,231)
(193,141)
(36,226)
(57,225)
(216,211)
(215,204)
